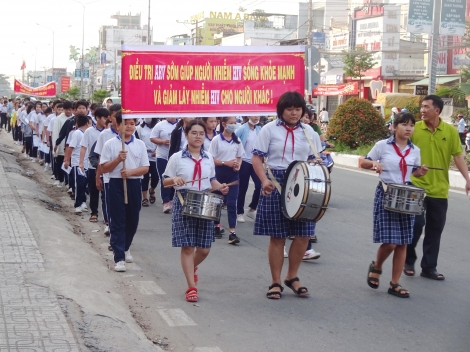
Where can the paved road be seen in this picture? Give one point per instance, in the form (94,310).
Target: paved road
(342,313)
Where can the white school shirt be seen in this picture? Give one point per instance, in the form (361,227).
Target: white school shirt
(33,118)
(324,116)
(384,152)
(89,138)
(76,144)
(182,165)
(249,145)
(162,130)
(41,118)
(144,134)
(50,126)
(45,124)
(225,150)
(207,141)
(69,137)
(184,141)
(272,139)
(136,155)
(105,136)
(4,109)
(461,126)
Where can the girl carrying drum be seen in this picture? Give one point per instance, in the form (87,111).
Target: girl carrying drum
(283,141)
(193,235)
(390,157)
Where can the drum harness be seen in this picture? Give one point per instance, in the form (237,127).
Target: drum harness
(312,146)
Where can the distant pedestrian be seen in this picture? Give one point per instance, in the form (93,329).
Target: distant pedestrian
(461,128)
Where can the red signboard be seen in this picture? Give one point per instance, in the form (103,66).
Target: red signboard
(194,81)
(64,83)
(337,89)
(47,90)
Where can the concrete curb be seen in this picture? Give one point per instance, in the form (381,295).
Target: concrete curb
(352,161)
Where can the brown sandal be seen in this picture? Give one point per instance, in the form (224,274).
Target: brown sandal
(94,218)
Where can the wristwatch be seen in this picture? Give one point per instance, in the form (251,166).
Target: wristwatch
(223,162)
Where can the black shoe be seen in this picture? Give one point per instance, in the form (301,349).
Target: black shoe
(217,233)
(233,239)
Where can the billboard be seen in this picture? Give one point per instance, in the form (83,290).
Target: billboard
(338,89)
(420,13)
(217,25)
(193,81)
(391,40)
(64,83)
(453,17)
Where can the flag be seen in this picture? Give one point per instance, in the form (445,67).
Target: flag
(23,65)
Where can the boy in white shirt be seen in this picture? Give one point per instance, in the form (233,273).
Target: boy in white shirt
(80,178)
(124,218)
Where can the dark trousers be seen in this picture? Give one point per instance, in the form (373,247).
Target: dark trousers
(167,194)
(247,171)
(70,180)
(28,144)
(434,217)
(151,175)
(47,157)
(8,123)
(462,138)
(3,120)
(14,134)
(123,218)
(19,134)
(34,152)
(59,160)
(94,193)
(105,201)
(79,185)
(226,174)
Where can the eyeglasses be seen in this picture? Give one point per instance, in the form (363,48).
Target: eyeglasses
(195,134)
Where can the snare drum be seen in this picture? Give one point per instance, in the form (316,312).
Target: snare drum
(404,199)
(203,205)
(306,192)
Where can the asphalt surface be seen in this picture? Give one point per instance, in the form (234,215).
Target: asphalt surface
(342,312)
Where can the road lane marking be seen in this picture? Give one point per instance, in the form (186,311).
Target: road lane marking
(148,288)
(176,317)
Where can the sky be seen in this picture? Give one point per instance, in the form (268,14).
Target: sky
(22,37)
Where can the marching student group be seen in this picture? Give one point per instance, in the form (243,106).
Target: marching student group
(91,149)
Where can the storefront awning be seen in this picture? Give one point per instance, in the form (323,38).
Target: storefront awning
(439,80)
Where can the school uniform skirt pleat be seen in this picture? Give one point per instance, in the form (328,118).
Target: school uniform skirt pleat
(389,226)
(270,221)
(188,231)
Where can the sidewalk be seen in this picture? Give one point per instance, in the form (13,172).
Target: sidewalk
(352,161)
(31,316)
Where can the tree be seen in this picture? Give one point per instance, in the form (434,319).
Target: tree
(357,62)
(73,93)
(356,123)
(99,95)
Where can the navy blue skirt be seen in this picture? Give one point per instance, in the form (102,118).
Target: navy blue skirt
(188,231)
(270,221)
(390,227)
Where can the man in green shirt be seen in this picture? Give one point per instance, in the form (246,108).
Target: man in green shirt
(438,142)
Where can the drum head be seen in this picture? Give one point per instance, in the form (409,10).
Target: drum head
(293,193)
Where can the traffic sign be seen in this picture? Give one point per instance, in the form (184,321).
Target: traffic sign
(78,73)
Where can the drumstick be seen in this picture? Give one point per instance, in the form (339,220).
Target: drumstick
(234,183)
(198,179)
(429,167)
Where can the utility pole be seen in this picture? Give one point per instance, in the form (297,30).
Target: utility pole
(310,22)
(148,29)
(435,46)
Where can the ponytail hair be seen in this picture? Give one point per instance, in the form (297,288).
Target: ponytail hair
(234,136)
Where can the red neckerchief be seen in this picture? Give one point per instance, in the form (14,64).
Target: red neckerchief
(197,171)
(289,130)
(402,164)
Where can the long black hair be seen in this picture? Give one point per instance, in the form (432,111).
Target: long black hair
(225,119)
(151,125)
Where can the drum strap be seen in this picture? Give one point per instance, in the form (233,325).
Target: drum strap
(315,152)
(273,180)
(384,185)
(180,197)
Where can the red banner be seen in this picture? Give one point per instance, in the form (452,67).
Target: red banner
(64,83)
(47,90)
(192,81)
(337,89)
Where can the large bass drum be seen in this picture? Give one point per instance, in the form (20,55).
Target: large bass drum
(203,205)
(306,191)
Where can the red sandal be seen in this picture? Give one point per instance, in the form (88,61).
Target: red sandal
(191,294)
